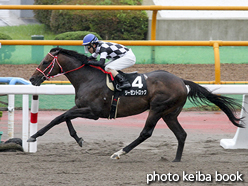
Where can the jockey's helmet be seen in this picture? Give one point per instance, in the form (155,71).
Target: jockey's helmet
(88,40)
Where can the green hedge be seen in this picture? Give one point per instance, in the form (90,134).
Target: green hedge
(44,15)
(110,25)
(6,53)
(77,35)
(5,37)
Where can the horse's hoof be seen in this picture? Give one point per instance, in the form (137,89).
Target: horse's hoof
(118,154)
(115,156)
(80,142)
(31,139)
(175,160)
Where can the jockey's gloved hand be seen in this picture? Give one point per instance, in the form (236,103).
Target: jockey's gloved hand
(91,58)
(97,63)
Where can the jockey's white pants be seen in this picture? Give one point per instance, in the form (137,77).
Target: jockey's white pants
(125,61)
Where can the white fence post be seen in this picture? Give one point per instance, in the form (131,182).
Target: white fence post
(240,140)
(11,115)
(33,121)
(25,122)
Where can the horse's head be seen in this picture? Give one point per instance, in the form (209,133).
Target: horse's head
(53,64)
(48,67)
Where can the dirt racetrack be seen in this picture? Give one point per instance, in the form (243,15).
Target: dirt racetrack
(60,161)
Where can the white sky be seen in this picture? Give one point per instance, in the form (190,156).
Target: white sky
(187,14)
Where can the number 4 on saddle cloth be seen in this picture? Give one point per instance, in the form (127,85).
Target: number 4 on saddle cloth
(138,88)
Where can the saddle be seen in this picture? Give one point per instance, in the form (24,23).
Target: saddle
(138,88)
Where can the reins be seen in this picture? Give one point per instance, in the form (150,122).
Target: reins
(104,71)
(55,60)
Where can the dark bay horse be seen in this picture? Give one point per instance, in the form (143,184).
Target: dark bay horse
(166,97)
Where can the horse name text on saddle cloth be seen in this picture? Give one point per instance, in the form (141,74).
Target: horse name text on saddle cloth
(135,92)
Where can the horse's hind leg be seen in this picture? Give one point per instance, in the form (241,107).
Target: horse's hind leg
(145,133)
(179,132)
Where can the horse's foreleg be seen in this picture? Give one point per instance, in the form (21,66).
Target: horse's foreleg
(180,134)
(67,116)
(74,113)
(73,133)
(145,134)
(43,130)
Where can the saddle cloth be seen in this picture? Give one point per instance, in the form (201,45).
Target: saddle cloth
(138,88)
(137,81)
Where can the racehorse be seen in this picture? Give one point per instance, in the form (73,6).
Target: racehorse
(165,99)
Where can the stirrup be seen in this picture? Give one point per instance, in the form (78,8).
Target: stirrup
(126,84)
(117,87)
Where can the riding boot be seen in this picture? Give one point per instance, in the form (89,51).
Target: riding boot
(124,84)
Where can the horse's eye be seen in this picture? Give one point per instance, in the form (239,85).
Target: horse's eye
(45,62)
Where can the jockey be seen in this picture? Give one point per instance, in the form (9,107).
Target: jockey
(120,57)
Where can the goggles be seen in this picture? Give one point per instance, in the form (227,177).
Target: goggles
(86,48)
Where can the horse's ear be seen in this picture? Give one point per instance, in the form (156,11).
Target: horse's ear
(55,50)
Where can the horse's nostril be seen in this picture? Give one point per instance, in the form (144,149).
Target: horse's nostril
(31,79)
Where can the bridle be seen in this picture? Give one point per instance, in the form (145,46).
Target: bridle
(47,76)
(55,60)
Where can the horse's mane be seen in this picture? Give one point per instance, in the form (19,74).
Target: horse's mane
(71,53)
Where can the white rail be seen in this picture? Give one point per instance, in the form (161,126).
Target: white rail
(240,139)
(68,89)
(36,90)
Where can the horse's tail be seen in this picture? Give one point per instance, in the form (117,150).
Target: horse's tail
(199,95)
